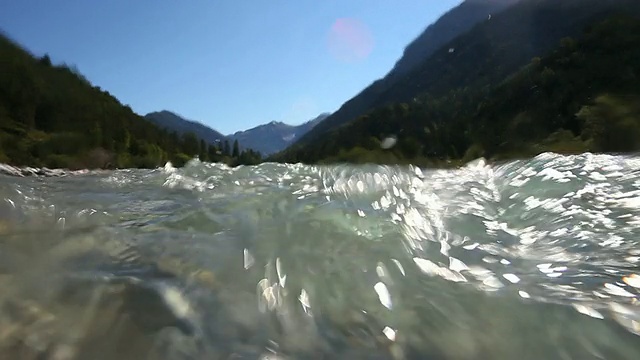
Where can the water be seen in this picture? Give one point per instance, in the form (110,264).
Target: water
(530,260)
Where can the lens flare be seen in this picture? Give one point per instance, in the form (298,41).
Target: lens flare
(350,40)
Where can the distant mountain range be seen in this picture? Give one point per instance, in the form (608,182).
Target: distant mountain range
(274,136)
(267,138)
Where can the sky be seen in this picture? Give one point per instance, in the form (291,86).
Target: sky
(229,64)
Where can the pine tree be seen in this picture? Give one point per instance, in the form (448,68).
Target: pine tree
(236,149)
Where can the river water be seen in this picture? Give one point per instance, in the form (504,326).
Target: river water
(535,259)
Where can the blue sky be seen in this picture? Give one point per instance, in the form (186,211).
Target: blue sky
(230,64)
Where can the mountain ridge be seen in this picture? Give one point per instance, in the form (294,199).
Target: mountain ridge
(171,121)
(460,18)
(455,21)
(482,59)
(266,138)
(486,54)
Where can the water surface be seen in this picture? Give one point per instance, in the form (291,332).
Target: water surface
(531,259)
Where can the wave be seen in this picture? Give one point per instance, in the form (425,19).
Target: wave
(533,258)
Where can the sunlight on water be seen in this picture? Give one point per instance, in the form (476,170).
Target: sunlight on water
(529,260)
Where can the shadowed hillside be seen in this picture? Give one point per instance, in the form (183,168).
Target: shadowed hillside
(582,96)
(452,24)
(481,57)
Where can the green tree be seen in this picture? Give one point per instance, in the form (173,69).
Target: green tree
(45,60)
(190,144)
(612,123)
(236,149)
(203,155)
(226,150)
(213,153)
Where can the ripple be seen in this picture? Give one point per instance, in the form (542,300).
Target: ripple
(343,261)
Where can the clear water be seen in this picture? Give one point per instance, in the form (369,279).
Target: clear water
(532,259)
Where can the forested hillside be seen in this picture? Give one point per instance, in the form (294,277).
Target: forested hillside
(582,96)
(50,115)
(452,24)
(482,57)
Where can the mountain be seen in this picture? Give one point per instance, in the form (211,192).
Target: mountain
(581,95)
(274,136)
(480,58)
(173,122)
(453,23)
(304,128)
(266,139)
